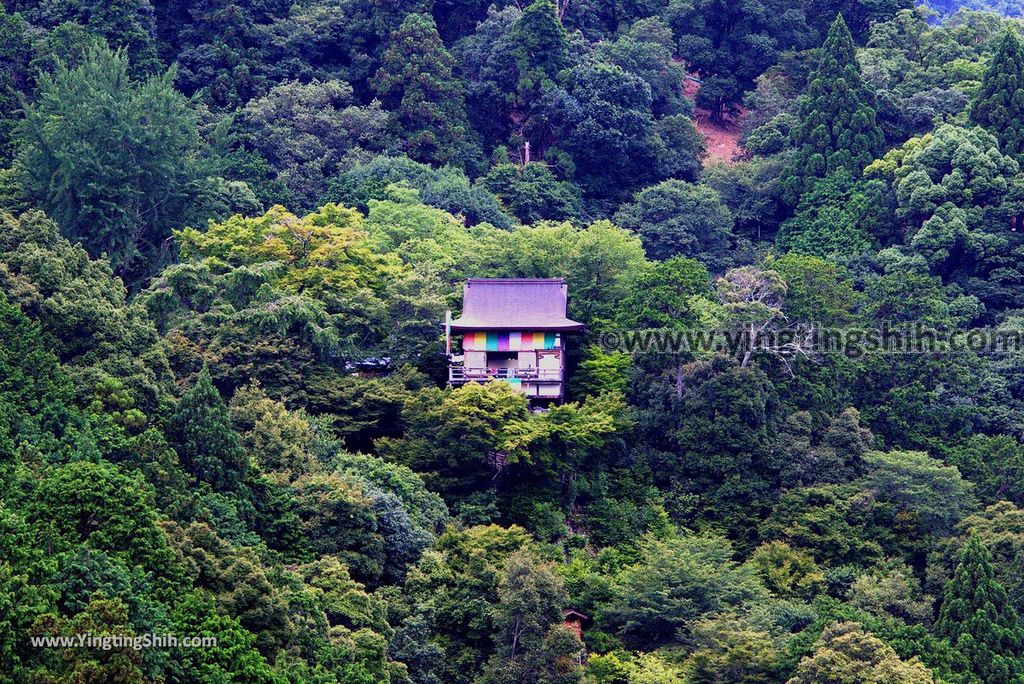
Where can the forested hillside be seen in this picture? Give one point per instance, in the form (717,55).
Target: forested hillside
(230,232)
(1006,8)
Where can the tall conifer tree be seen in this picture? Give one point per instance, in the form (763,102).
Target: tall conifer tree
(977,618)
(999,104)
(415,81)
(200,431)
(541,46)
(837,128)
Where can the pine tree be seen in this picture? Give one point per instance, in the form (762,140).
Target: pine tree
(200,431)
(837,128)
(541,47)
(415,81)
(979,621)
(999,104)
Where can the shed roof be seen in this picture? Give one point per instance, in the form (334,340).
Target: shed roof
(515,304)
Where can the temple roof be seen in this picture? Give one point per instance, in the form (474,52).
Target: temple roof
(515,304)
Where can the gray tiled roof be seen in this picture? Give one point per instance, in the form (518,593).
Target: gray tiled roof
(514,304)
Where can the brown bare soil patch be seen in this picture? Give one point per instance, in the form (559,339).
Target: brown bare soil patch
(722,138)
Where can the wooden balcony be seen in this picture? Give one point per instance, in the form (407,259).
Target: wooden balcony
(458,375)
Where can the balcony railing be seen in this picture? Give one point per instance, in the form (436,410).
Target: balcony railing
(459,374)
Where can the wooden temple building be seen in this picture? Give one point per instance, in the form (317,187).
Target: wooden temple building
(513,330)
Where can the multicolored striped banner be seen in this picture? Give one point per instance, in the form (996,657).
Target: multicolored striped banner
(509,341)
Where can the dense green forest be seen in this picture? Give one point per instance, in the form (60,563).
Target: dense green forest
(229,234)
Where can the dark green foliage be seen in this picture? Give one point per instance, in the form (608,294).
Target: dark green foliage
(676,582)
(526,626)
(976,618)
(860,15)
(487,60)
(14,58)
(109,159)
(999,103)
(446,188)
(607,130)
(307,132)
(320,502)
(200,431)
(675,218)
(993,464)
(98,336)
(540,49)
(415,81)
(646,50)
(837,128)
(730,43)
(839,216)
(532,193)
(95,505)
(35,394)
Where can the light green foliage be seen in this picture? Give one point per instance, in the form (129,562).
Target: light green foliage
(646,668)
(846,654)
(420,234)
(817,290)
(787,572)
(463,440)
(958,196)
(597,261)
(676,582)
(601,371)
(281,299)
(838,216)
(672,293)
(741,645)
(251,436)
(891,589)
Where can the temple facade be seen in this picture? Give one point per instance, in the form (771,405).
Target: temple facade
(512,330)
